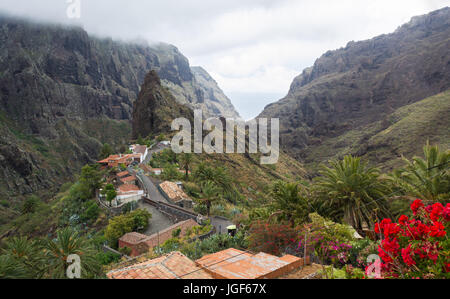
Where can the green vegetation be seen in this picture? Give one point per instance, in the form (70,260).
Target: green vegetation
(427,178)
(46,258)
(131,222)
(106,151)
(353,190)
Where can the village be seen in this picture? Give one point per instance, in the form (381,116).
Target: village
(138,185)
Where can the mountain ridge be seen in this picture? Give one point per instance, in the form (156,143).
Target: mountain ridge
(364,82)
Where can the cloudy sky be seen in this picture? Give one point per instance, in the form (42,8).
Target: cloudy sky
(253,48)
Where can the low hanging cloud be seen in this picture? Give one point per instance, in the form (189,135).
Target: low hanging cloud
(252,47)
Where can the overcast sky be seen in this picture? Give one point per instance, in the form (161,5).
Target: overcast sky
(253,48)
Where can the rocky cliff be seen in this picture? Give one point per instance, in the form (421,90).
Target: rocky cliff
(156,108)
(349,89)
(214,98)
(63,93)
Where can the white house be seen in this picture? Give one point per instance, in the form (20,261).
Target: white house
(128,193)
(141,150)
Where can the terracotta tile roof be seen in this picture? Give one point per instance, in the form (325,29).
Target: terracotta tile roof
(173,191)
(123,173)
(128,179)
(172,266)
(236,264)
(112,157)
(128,188)
(133,238)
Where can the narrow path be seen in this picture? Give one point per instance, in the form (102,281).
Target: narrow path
(158,222)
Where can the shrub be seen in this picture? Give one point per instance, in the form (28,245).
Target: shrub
(417,247)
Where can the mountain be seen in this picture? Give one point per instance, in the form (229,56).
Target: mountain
(214,98)
(64,93)
(156,108)
(351,95)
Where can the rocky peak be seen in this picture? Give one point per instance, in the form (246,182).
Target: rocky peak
(156,108)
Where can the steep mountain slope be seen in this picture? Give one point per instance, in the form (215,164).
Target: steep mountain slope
(64,93)
(402,133)
(350,89)
(156,108)
(214,98)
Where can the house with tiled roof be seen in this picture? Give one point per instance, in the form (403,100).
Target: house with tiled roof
(123,174)
(174,265)
(140,244)
(237,264)
(127,193)
(226,264)
(129,180)
(116,160)
(140,150)
(175,195)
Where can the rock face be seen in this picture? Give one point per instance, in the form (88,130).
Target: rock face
(214,98)
(353,87)
(63,93)
(156,108)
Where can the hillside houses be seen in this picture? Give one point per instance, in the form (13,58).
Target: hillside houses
(138,155)
(226,264)
(117,160)
(140,150)
(175,194)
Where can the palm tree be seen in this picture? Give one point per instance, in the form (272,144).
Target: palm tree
(10,269)
(186,162)
(24,256)
(217,175)
(354,190)
(211,193)
(288,201)
(428,178)
(69,242)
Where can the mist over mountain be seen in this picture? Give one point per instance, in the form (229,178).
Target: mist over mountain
(336,106)
(64,93)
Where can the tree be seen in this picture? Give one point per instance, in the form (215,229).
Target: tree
(106,151)
(186,162)
(210,193)
(428,178)
(111,193)
(123,224)
(170,172)
(91,177)
(218,175)
(289,202)
(140,141)
(354,190)
(69,242)
(21,258)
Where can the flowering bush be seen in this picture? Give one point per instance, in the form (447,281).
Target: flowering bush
(418,247)
(330,241)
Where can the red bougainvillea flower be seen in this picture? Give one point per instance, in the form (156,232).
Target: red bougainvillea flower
(436,211)
(437,230)
(407,256)
(403,220)
(416,206)
(412,246)
(446,212)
